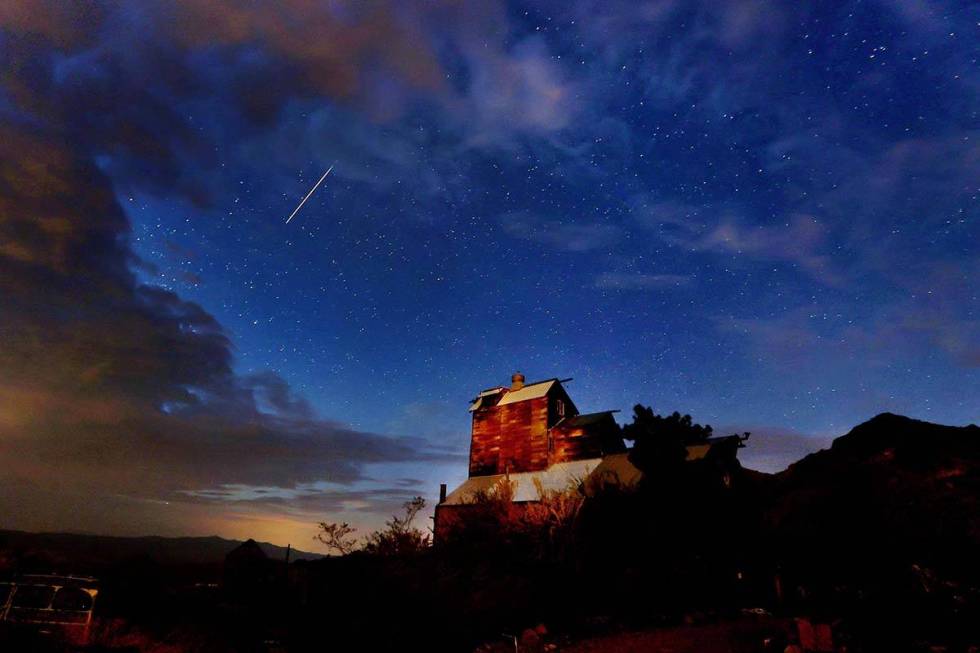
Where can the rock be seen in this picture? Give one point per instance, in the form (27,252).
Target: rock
(530,637)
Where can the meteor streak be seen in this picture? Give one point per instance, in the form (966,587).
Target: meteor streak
(315,186)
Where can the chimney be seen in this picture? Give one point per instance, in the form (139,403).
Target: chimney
(516,381)
(442,493)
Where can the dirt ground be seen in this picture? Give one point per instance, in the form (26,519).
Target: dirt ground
(738,636)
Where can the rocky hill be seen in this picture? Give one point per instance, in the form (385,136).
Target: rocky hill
(891,487)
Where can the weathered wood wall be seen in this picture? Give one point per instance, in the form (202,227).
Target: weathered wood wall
(575,443)
(510,438)
(572,441)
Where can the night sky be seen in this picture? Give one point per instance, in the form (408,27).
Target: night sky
(764,214)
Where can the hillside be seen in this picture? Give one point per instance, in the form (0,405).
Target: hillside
(877,535)
(881,531)
(891,487)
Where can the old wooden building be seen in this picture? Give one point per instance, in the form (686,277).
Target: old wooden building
(533,435)
(528,428)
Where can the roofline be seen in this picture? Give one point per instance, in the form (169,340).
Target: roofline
(598,412)
(526,385)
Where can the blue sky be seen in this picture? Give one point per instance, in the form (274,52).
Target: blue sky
(760,214)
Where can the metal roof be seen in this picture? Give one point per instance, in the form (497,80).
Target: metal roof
(558,477)
(530,391)
(616,469)
(491,392)
(588,418)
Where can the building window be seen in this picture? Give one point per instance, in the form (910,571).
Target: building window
(561,408)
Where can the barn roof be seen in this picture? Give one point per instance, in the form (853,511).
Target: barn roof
(588,418)
(616,469)
(529,391)
(560,476)
(480,398)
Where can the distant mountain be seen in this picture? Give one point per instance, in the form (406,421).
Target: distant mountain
(77,552)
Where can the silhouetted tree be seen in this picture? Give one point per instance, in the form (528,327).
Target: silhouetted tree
(660,443)
(337,536)
(398,536)
(685,509)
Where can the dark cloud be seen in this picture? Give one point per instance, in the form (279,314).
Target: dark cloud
(139,86)
(314,500)
(121,389)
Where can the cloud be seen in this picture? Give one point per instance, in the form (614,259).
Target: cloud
(133,85)
(639,281)
(939,307)
(312,499)
(520,91)
(800,241)
(876,195)
(560,235)
(109,388)
(932,317)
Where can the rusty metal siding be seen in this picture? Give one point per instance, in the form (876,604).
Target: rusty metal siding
(510,438)
(574,440)
(485,442)
(575,443)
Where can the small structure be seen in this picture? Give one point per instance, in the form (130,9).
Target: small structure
(248,573)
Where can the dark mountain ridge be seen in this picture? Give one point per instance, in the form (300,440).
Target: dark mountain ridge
(888,437)
(77,553)
(891,509)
